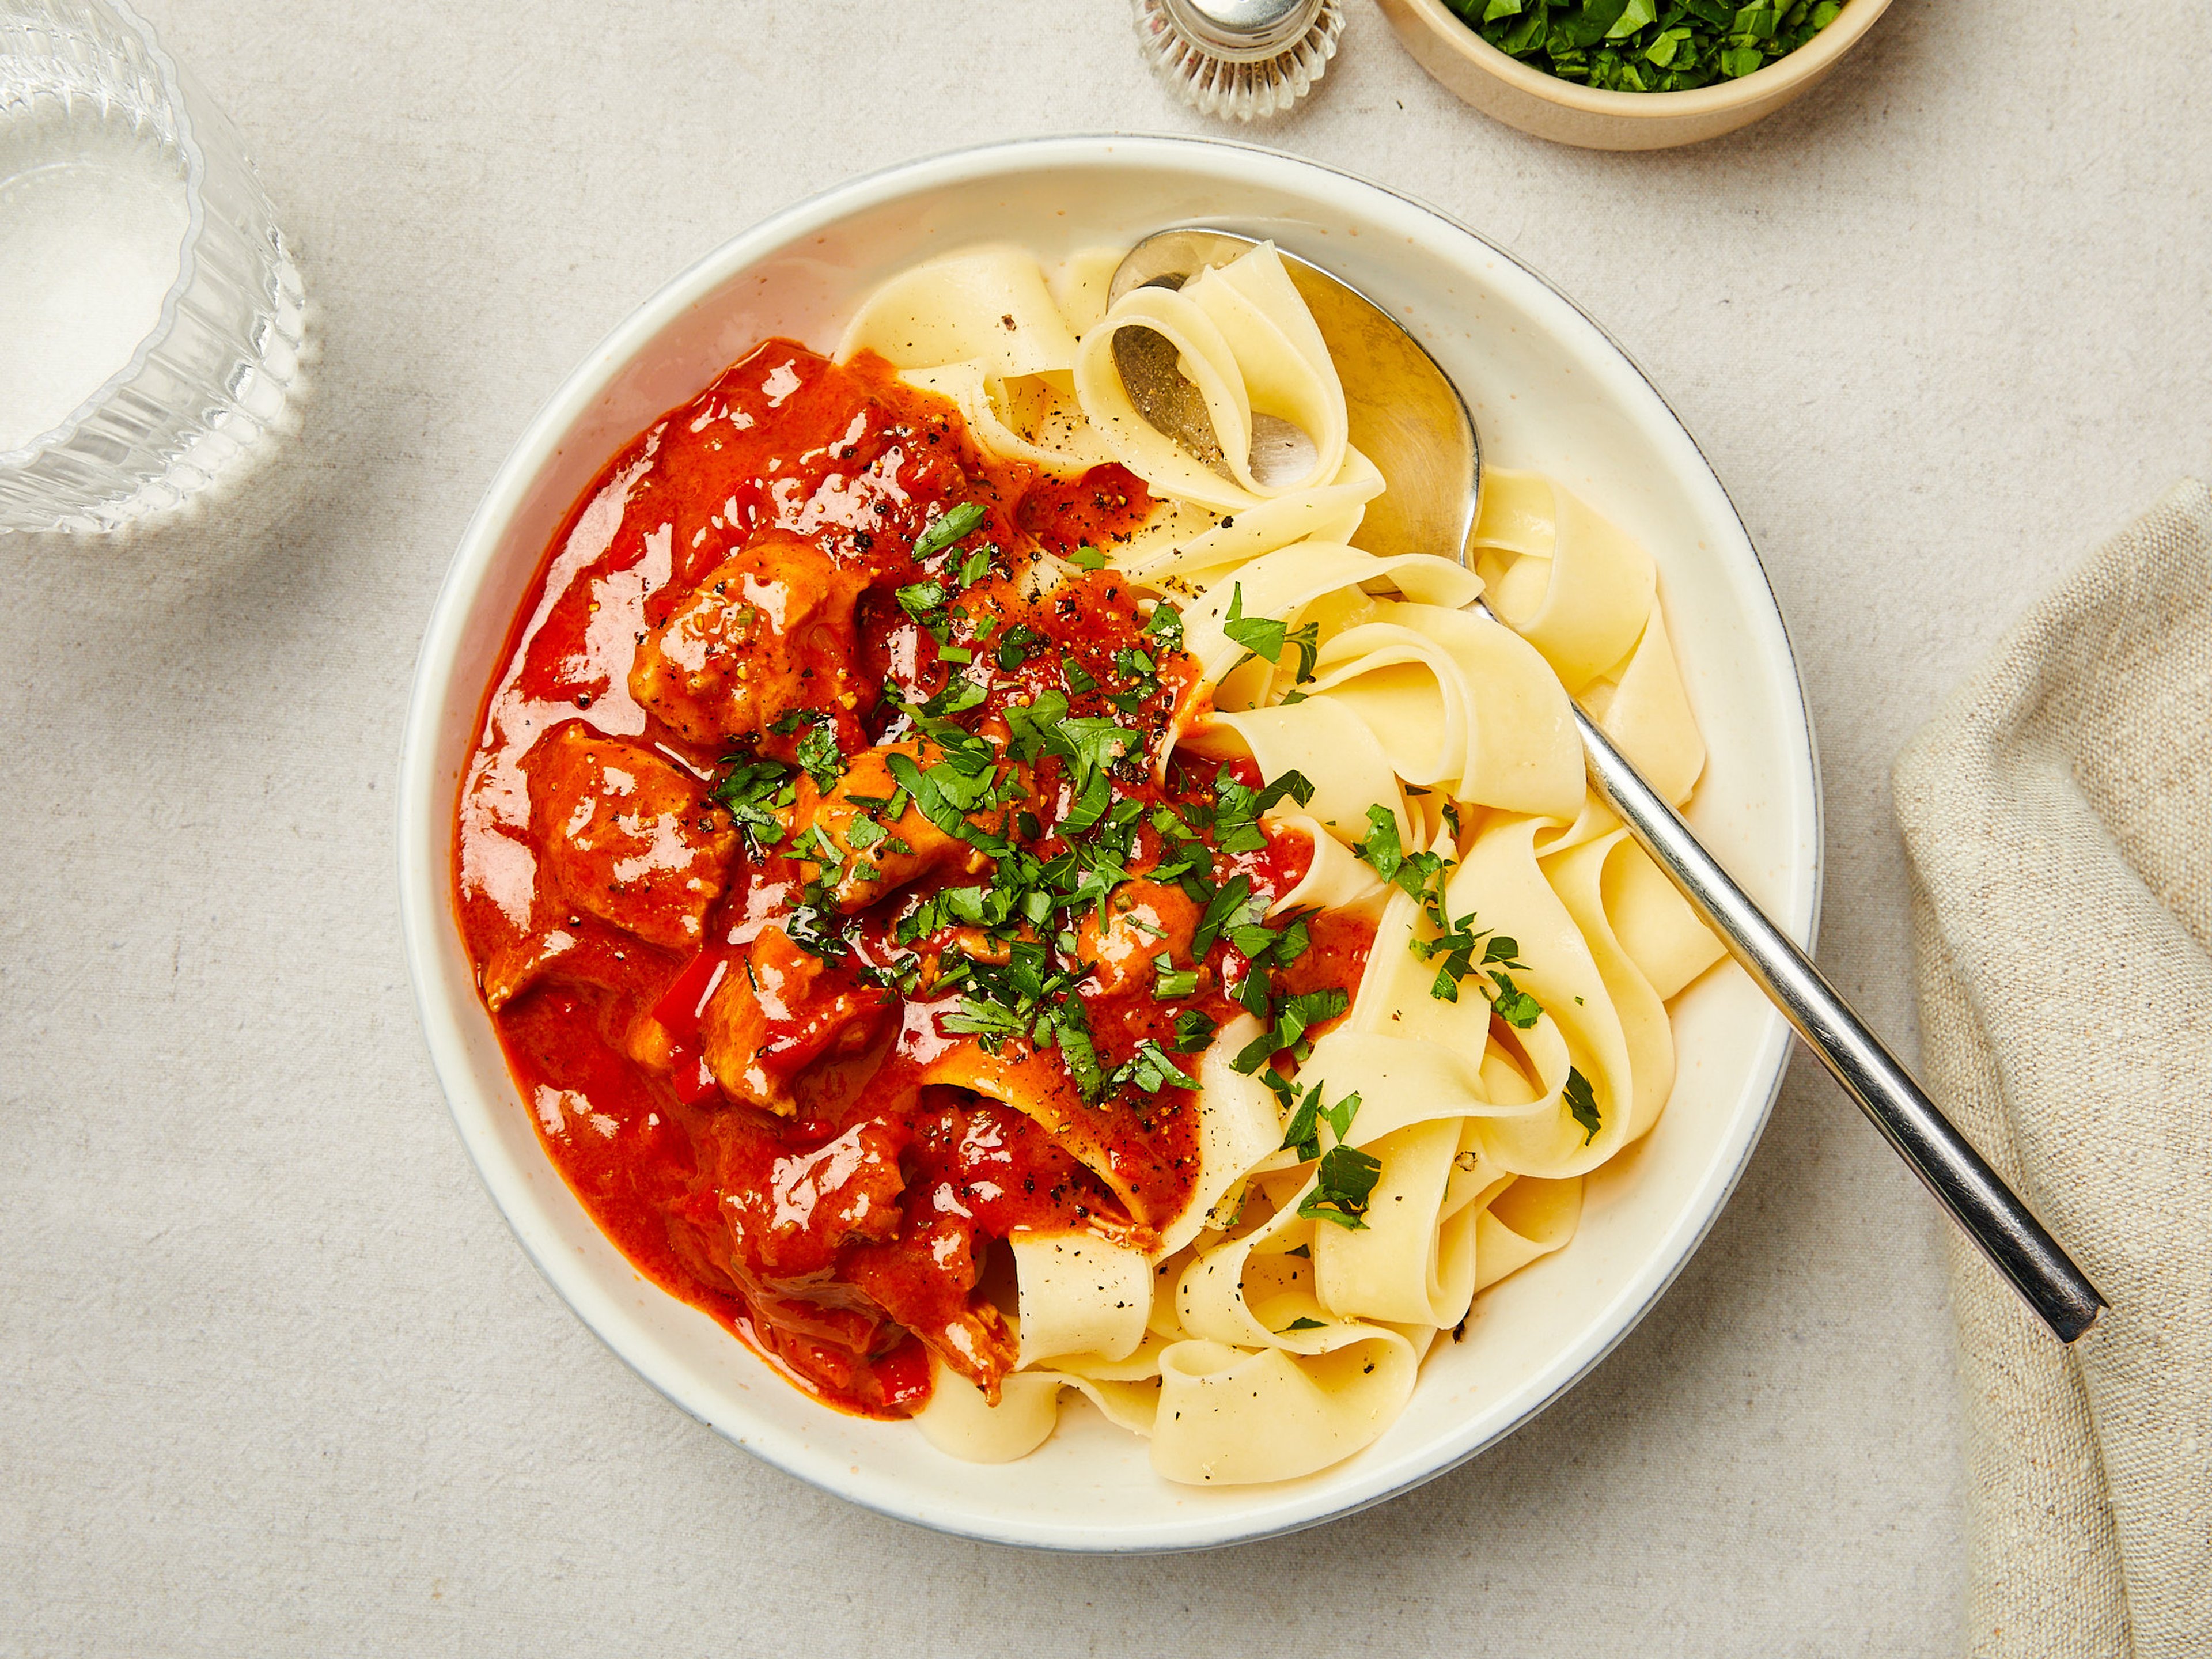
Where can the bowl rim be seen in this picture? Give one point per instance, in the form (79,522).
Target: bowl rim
(423,842)
(1808,61)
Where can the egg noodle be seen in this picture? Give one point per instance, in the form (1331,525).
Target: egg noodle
(1510,1033)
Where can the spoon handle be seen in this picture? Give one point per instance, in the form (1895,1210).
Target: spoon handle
(1992,1215)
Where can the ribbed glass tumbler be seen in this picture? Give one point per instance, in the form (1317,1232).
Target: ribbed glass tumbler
(149,315)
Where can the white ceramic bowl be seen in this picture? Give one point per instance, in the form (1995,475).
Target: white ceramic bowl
(1549,390)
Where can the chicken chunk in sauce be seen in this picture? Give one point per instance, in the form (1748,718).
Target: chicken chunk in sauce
(1145,920)
(871,860)
(780,1013)
(766,633)
(630,837)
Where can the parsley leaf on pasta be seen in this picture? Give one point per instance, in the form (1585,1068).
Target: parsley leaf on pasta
(1343,1184)
(1582,1105)
(1237,809)
(1513,1004)
(1071,1035)
(990,1021)
(1417,873)
(1264,637)
(1339,1117)
(1422,876)
(1293,1019)
(1301,1135)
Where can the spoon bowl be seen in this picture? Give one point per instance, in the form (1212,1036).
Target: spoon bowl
(1401,410)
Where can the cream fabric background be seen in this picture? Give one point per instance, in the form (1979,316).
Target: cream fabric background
(2058,815)
(274,1379)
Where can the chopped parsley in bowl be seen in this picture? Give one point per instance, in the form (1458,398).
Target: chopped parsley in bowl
(1647,45)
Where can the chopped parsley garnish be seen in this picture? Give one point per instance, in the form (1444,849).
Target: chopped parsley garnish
(1302,1323)
(1422,876)
(1264,637)
(920,600)
(1416,872)
(751,790)
(1296,1017)
(1026,995)
(1095,742)
(1302,1134)
(1091,745)
(1165,625)
(1081,1057)
(998,952)
(1647,45)
(1582,1105)
(956,523)
(864,833)
(1169,983)
(1017,645)
(1152,1069)
(1457,943)
(1194,1031)
(1034,724)
(1237,810)
(813,924)
(819,757)
(1343,1182)
(1261,945)
(986,1020)
(958,698)
(946,794)
(1513,1004)
(1087,558)
(1224,908)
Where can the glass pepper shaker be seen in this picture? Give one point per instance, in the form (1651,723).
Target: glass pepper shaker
(1240,59)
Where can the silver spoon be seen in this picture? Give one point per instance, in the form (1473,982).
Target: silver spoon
(1408,419)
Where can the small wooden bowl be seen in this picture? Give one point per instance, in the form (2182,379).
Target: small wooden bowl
(1525,97)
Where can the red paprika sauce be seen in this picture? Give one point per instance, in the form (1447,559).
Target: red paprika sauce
(812,780)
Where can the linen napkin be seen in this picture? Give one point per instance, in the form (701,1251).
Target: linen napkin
(2058,814)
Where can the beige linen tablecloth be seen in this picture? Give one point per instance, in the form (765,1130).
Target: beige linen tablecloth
(275,1379)
(2058,814)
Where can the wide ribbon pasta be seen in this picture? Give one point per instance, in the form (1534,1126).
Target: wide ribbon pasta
(1264,1330)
